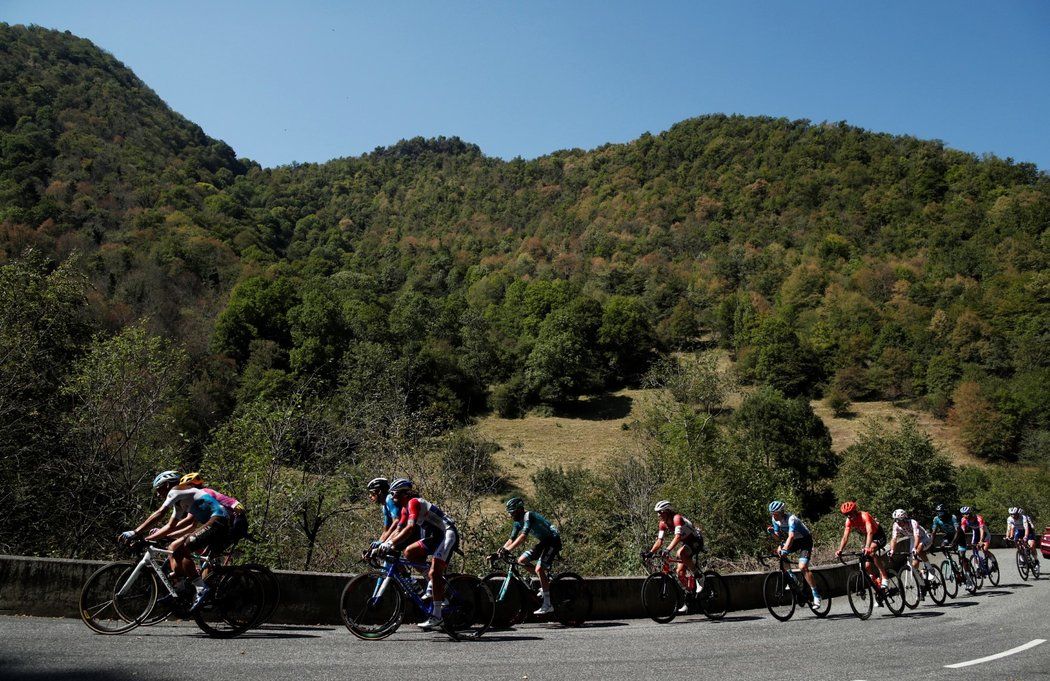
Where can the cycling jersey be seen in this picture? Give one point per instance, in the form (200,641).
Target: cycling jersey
(391,512)
(972,527)
(196,502)
(535,524)
(1015,527)
(227,502)
(948,527)
(425,514)
(790,524)
(910,527)
(863,522)
(683,527)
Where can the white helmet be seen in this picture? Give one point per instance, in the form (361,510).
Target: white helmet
(900,514)
(1014,510)
(662,506)
(165,477)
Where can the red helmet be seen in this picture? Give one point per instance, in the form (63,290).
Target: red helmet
(848,507)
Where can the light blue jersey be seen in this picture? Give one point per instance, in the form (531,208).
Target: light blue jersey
(790,524)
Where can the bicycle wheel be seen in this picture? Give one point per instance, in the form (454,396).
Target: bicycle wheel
(235,604)
(910,588)
(366,615)
(778,595)
(993,569)
(825,595)
(470,607)
(510,609)
(1035,567)
(110,604)
(859,592)
(271,589)
(160,611)
(1022,565)
(975,570)
(571,598)
(948,576)
(661,597)
(893,592)
(714,596)
(935,586)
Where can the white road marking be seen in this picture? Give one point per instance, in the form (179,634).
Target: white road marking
(1012,651)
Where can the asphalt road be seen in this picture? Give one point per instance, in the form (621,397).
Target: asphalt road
(746,645)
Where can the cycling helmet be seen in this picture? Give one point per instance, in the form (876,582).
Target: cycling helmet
(1020,510)
(900,514)
(941,508)
(662,506)
(965,510)
(848,507)
(776,506)
(401,485)
(164,478)
(378,485)
(515,504)
(191,479)
(1014,510)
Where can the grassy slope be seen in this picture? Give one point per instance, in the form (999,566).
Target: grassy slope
(593,434)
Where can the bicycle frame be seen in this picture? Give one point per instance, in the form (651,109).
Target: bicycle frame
(405,582)
(150,558)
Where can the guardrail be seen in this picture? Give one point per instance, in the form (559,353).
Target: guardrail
(50,587)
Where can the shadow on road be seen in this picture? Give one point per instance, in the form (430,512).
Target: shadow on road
(281,627)
(14,669)
(272,635)
(733,618)
(922,614)
(992,592)
(960,604)
(496,638)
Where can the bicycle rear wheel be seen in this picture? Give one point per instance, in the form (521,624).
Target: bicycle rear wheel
(110,604)
(235,604)
(859,592)
(993,568)
(825,595)
(366,615)
(661,597)
(510,609)
(893,592)
(778,595)
(714,596)
(470,607)
(271,589)
(951,585)
(571,598)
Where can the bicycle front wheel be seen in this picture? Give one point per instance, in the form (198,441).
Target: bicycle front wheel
(661,597)
(977,572)
(237,601)
(893,592)
(1022,565)
(951,585)
(470,607)
(368,615)
(571,598)
(510,609)
(111,604)
(778,595)
(935,585)
(825,595)
(714,596)
(910,588)
(859,592)
(271,589)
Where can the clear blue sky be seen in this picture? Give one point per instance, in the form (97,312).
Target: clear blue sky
(310,81)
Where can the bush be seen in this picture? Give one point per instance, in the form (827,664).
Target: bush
(839,403)
(510,399)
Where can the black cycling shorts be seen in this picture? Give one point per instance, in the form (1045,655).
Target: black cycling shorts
(544,552)
(213,533)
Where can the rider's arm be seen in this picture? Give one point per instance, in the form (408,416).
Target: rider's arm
(787,542)
(407,524)
(165,529)
(845,538)
(154,517)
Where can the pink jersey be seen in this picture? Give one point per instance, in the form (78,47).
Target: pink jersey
(227,502)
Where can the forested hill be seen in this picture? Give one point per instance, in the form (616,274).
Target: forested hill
(829,259)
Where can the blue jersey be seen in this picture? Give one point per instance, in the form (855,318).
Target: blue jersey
(197,503)
(390,511)
(948,527)
(790,524)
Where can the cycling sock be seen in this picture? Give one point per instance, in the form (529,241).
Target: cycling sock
(435,610)
(546,595)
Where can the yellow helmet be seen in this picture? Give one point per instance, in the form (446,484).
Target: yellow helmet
(191,479)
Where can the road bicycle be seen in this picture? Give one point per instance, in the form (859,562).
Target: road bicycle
(663,593)
(515,597)
(863,593)
(1027,563)
(374,604)
(953,572)
(121,596)
(785,588)
(984,564)
(918,582)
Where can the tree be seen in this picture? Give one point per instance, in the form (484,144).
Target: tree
(562,363)
(986,432)
(781,360)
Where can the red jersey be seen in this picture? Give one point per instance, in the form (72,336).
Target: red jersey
(682,527)
(972,525)
(863,523)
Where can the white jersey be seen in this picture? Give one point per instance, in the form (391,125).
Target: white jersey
(911,527)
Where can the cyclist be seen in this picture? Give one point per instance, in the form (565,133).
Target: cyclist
(198,521)
(795,536)
(687,539)
(544,552)
(238,514)
(440,539)
(1019,527)
(874,538)
(974,531)
(379,493)
(919,540)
